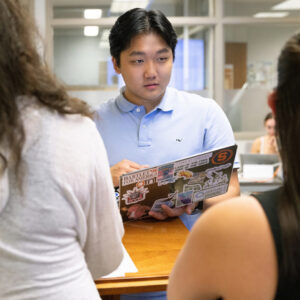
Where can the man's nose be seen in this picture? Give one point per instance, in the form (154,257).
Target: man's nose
(150,70)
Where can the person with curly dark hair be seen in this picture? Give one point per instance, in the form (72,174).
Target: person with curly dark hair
(59,223)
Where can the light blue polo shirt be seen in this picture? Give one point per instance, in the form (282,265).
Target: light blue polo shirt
(183,124)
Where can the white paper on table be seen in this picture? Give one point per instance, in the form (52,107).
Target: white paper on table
(127,266)
(258,171)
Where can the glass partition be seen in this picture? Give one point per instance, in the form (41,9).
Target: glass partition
(110,8)
(262,8)
(251,53)
(85,61)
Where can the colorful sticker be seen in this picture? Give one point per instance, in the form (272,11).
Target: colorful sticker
(215,178)
(192,187)
(222,157)
(186,174)
(198,196)
(184,198)
(165,172)
(157,204)
(214,191)
(135,195)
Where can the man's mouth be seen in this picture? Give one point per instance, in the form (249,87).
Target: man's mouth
(151,85)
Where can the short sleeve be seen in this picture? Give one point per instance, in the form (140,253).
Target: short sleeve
(218,130)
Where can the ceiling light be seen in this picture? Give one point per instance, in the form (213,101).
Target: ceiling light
(91,30)
(287,5)
(271,14)
(92,13)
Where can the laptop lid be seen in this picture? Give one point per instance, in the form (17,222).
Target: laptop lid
(259,159)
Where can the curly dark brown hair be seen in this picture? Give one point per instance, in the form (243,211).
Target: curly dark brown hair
(24,73)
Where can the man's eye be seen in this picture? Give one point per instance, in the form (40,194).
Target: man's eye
(161,59)
(138,61)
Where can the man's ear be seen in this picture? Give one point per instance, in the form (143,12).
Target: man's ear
(116,67)
(272,102)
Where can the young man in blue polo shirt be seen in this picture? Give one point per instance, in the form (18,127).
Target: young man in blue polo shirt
(149,123)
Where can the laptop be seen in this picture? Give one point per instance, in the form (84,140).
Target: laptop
(259,166)
(258,159)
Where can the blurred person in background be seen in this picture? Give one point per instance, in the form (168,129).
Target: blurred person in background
(266,144)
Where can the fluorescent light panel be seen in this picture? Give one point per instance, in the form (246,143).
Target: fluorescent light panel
(120,6)
(271,14)
(91,30)
(92,13)
(287,5)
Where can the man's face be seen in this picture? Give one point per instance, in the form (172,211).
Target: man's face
(146,68)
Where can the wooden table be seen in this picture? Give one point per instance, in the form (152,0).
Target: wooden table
(153,246)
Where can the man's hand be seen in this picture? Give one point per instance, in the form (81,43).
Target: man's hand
(123,167)
(172,212)
(273,143)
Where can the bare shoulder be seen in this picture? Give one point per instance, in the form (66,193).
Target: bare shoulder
(255,148)
(234,250)
(242,210)
(239,221)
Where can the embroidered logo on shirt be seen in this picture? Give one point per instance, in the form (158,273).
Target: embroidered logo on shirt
(179,140)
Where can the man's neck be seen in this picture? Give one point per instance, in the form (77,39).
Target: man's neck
(149,106)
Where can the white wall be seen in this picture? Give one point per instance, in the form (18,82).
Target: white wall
(248,114)
(95,98)
(77,59)
(264,43)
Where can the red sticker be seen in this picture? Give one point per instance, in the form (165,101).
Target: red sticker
(222,157)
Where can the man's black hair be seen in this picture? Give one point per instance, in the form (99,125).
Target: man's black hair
(140,21)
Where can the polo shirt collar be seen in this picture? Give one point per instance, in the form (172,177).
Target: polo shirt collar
(166,104)
(123,104)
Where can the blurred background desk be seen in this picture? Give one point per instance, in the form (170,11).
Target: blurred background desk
(251,186)
(153,246)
